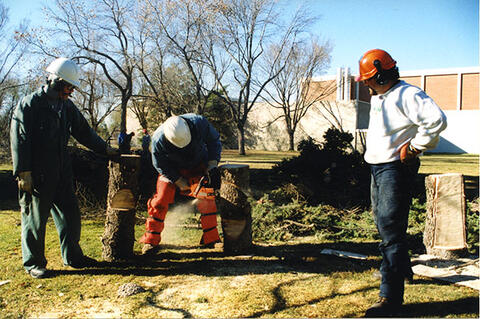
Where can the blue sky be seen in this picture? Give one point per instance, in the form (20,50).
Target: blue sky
(419,34)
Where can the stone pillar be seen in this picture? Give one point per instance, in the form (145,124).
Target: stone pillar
(445,231)
(234,208)
(119,235)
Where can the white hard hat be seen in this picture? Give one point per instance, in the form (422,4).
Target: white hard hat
(177,132)
(65,69)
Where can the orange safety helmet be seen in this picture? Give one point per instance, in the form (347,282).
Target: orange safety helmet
(374,61)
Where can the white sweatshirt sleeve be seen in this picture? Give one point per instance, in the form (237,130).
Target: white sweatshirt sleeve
(403,114)
(425,113)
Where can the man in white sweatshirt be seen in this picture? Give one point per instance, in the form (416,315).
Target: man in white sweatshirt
(404,122)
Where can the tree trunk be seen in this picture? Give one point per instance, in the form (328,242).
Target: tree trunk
(241,140)
(123,114)
(291,139)
(444,234)
(235,210)
(119,235)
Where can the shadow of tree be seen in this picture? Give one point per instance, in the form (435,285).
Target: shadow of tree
(442,308)
(184,313)
(281,303)
(306,258)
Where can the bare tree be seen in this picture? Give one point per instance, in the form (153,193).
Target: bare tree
(151,56)
(184,24)
(165,87)
(242,30)
(100,32)
(96,99)
(13,49)
(292,91)
(331,112)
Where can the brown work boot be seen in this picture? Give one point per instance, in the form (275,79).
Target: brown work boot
(150,250)
(383,308)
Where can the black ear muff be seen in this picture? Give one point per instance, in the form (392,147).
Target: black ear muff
(379,76)
(57,84)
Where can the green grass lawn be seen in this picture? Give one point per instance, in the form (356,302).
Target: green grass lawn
(466,164)
(281,280)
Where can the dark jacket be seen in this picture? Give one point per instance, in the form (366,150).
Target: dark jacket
(39,135)
(204,146)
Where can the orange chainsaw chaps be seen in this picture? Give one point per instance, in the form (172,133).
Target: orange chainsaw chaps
(210,236)
(209,226)
(164,194)
(149,238)
(154,225)
(208,219)
(157,209)
(206,206)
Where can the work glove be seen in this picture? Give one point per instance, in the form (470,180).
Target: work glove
(25,181)
(408,152)
(182,184)
(110,151)
(214,178)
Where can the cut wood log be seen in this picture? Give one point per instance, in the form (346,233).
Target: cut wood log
(234,208)
(445,233)
(119,234)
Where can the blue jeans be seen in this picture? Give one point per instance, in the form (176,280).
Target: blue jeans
(391,195)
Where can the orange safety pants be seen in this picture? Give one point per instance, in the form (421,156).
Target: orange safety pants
(158,207)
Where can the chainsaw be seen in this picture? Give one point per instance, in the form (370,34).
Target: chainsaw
(199,189)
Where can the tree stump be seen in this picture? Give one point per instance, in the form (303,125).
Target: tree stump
(119,235)
(235,210)
(445,233)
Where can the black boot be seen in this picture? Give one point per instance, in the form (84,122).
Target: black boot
(383,308)
(84,262)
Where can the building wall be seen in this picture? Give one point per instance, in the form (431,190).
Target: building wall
(413,80)
(265,135)
(469,92)
(443,90)
(456,91)
(452,89)
(462,134)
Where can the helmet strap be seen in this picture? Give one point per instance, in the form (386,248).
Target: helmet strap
(380,75)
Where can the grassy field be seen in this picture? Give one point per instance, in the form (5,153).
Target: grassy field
(466,164)
(280,280)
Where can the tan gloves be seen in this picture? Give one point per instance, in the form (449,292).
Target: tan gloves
(408,152)
(182,184)
(25,181)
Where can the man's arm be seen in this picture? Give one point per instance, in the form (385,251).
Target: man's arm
(161,162)
(212,139)
(429,118)
(83,133)
(20,138)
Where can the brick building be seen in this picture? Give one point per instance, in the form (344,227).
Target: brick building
(455,90)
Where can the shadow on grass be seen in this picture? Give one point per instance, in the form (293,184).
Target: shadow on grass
(261,260)
(442,308)
(184,313)
(281,302)
(467,305)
